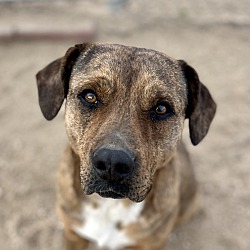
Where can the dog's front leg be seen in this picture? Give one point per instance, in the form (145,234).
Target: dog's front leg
(146,246)
(152,235)
(69,199)
(74,242)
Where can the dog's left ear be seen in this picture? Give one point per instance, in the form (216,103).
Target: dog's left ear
(53,81)
(201,107)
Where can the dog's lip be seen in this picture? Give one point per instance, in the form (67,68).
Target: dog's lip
(116,191)
(109,191)
(111,194)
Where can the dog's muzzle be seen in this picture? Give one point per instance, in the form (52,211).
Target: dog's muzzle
(112,168)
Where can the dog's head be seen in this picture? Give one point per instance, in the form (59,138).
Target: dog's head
(125,110)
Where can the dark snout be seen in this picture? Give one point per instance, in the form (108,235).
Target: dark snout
(113,164)
(115,172)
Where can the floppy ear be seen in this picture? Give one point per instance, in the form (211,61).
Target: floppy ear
(53,81)
(201,107)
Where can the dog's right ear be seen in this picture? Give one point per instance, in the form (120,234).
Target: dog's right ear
(53,81)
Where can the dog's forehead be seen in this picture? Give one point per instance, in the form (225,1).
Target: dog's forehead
(100,57)
(148,72)
(122,61)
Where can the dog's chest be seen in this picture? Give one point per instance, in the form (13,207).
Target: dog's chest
(103,223)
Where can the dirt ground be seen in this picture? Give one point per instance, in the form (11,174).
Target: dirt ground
(213,36)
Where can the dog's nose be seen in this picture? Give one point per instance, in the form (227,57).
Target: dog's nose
(112,164)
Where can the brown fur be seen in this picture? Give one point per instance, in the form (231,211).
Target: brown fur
(129,82)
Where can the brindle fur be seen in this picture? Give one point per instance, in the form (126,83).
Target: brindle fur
(129,81)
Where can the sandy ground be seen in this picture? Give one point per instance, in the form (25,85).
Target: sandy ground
(213,37)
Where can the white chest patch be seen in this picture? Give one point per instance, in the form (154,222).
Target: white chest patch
(100,223)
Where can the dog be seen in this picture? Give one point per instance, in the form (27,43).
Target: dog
(125,179)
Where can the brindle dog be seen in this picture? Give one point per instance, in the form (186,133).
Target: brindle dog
(125,111)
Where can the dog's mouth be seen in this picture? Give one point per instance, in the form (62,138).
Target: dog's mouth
(111,194)
(110,190)
(117,191)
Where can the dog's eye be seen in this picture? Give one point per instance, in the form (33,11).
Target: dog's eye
(89,98)
(161,111)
